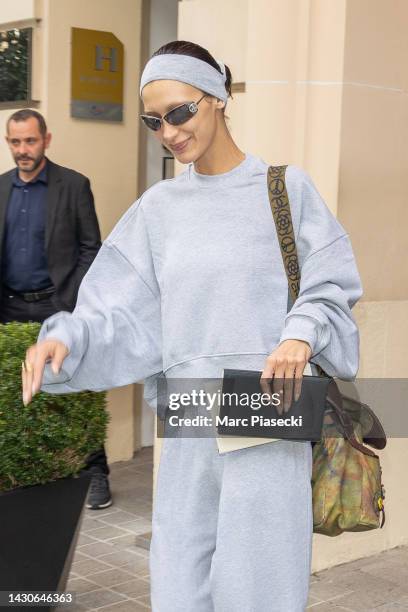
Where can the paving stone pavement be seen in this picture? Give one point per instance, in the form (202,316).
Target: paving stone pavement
(111,573)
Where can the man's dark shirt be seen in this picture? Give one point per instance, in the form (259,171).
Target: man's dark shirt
(24,261)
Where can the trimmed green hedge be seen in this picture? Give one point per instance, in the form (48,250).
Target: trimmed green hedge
(52,436)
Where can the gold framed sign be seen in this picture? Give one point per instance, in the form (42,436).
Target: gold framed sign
(96,75)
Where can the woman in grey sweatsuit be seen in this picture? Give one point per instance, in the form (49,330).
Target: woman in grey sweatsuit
(190,282)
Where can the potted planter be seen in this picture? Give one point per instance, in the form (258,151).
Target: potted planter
(43,448)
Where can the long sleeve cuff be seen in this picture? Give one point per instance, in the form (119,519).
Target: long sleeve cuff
(308,329)
(62,327)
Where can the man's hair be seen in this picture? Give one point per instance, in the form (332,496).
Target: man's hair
(26,113)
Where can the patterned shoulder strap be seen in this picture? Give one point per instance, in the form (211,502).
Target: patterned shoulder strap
(279,201)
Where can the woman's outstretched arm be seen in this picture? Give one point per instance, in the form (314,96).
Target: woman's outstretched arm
(113,337)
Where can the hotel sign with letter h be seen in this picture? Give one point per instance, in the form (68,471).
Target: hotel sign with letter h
(96,75)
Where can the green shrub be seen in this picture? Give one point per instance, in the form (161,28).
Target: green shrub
(52,436)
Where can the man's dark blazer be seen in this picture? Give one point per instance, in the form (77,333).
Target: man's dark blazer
(72,236)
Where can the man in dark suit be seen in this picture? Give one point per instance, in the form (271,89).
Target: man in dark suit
(49,236)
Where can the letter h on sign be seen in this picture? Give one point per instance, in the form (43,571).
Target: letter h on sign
(112,58)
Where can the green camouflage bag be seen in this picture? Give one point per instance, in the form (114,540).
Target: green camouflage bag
(348,494)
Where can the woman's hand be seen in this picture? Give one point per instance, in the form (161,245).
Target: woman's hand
(37,356)
(285,365)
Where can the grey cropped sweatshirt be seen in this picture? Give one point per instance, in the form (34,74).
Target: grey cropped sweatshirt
(191,281)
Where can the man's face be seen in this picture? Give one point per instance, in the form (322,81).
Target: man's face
(27,144)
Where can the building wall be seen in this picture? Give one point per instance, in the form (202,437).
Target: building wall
(374,144)
(106,152)
(22,10)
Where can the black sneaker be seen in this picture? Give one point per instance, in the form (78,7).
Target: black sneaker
(99,495)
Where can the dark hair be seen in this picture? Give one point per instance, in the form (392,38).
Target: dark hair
(26,113)
(184,47)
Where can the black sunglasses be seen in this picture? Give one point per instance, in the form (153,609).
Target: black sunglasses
(176,116)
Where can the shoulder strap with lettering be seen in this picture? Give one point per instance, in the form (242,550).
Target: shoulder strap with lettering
(279,201)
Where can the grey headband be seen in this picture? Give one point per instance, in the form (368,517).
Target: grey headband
(187,69)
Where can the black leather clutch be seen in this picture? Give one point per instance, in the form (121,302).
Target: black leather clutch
(244,412)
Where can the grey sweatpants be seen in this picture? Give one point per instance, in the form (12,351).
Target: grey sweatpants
(232,532)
